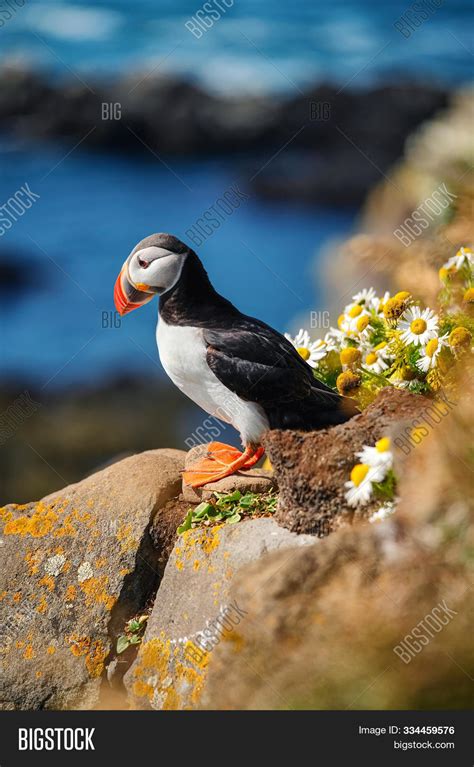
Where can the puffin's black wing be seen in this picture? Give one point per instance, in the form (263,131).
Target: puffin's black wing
(260,365)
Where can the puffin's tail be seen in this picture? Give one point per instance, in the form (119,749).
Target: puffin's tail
(323,408)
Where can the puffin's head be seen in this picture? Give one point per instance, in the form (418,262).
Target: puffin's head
(153,267)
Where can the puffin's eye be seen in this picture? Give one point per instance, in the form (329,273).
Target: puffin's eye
(142,263)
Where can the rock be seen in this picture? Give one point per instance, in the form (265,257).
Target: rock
(323,163)
(75,566)
(249,481)
(312,467)
(324,629)
(374,616)
(192,610)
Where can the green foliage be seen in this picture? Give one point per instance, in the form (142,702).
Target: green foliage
(385,490)
(229,508)
(134,630)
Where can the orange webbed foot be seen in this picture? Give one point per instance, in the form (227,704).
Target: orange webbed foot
(221,461)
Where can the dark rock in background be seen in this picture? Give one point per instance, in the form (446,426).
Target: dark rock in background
(337,142)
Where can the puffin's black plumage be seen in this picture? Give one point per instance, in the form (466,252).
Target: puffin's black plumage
(250,358)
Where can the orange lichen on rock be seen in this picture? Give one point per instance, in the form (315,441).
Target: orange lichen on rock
(96,592)
(48,582)
(51,649)
(95,658)
(29,653)
(159,664)
(70,594)
(17,597)
(43,605)
(124,536)
(38,524)
(33,561)
(79,645)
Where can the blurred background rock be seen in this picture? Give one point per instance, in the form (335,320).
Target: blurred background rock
(306,108)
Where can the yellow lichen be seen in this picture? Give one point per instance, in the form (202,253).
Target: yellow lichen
(95,659)
(29,653)
(48,582)
(70,594)
(96,592)
(43,605)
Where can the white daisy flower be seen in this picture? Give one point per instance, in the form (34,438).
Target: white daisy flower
(311,351)
(379,456)
(418,327)
(385,511)
(333,339)
(354,320)
(359,487)
(379,303)
(378,359)
(430,353)
(365,296)
(462,257)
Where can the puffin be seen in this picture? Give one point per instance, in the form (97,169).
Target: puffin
(235,367)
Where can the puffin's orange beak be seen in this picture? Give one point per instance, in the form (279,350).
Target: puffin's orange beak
(128,296)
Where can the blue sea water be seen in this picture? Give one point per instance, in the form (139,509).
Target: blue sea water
(94,207)
(256,44)
(91,211)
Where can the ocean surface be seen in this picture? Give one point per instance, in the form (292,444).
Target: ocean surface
(92,210)
(94,207)
(254,45)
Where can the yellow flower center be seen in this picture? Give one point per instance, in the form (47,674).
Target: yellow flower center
(469,296)
(303,352)
(403,295)
(362,323)
(383,444)
(359,473)
(418,326)
(407,374)
(347,382)
(382,345)
(394,308)
(350,356)
(355,310)
(459,337)
(431,347)
(371,358)
(340,320)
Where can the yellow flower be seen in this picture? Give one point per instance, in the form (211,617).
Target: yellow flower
(459,337)
(362,323)
(383,444)
(350,356)
(348,382)
(359,473)
(403,295)
(354,311)
(468,296)
(394,308)
(371,358)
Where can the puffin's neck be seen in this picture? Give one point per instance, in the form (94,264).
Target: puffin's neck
(193,300)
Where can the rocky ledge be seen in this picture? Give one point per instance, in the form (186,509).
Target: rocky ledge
(249,614)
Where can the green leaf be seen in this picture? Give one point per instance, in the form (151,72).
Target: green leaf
(233,519)
(135,639)
(133,626)
(188,520)
(247,500)
(122,643)
(201,510)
